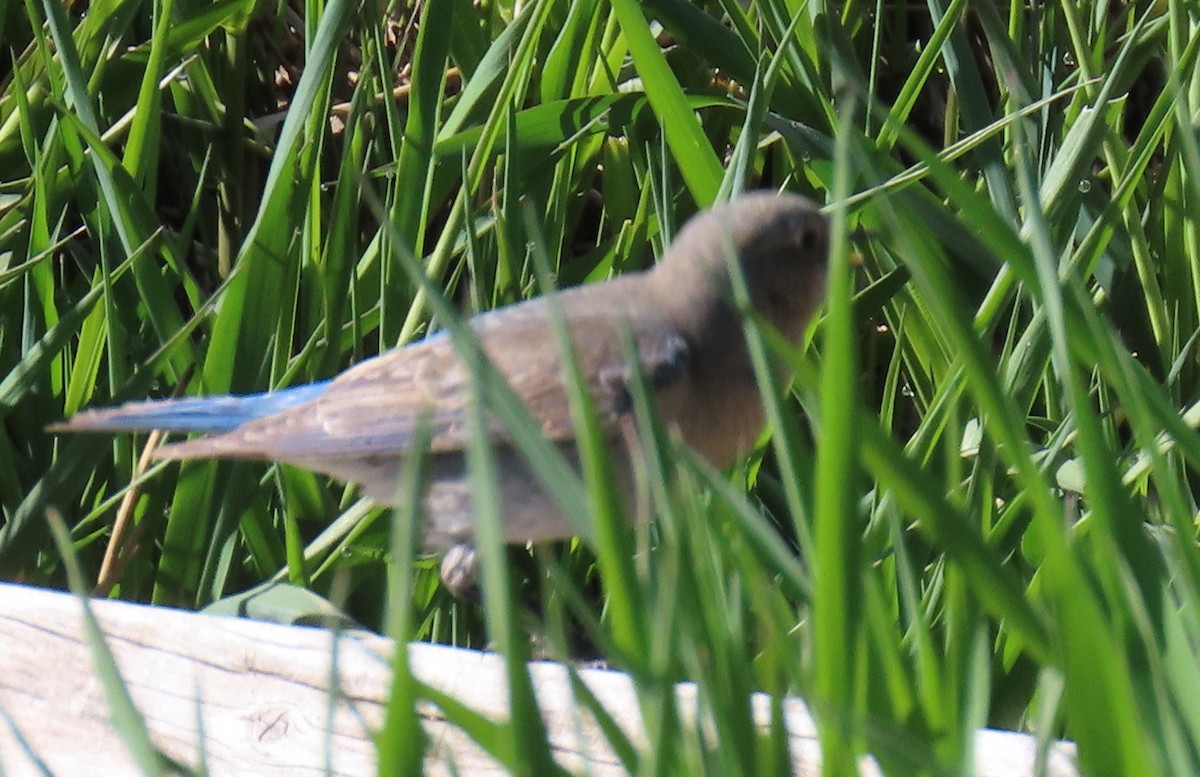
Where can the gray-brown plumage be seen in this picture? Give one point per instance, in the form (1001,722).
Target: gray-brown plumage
(689,339)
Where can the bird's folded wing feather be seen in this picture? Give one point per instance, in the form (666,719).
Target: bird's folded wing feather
(375,408)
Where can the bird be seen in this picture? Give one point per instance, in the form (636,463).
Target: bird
(688,337)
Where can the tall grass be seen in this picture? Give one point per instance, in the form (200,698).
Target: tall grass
(976,505)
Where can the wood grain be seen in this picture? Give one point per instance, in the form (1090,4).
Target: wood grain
(263,693)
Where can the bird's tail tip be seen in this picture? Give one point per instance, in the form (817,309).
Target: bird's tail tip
(213,446)
(105,419)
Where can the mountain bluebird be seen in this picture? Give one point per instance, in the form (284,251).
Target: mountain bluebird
(680,316)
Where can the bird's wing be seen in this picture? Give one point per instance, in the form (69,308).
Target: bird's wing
(376,407)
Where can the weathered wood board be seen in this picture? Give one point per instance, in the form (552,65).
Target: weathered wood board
(263,694)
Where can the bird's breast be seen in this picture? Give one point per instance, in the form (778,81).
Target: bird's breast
(722,418)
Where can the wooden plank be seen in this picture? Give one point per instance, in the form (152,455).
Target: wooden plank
(263,693)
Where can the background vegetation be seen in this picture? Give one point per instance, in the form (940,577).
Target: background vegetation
(975,507)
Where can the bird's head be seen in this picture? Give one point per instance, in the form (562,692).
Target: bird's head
(781,243)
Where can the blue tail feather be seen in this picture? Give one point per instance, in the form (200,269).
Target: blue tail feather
(195,414)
